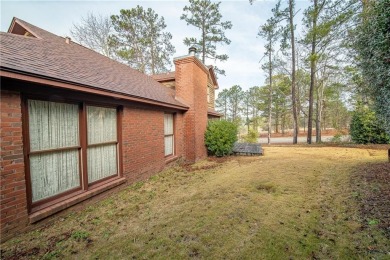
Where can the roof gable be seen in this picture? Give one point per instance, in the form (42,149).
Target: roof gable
(18,28)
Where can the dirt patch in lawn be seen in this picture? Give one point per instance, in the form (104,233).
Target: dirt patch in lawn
(372,189)
(296,202)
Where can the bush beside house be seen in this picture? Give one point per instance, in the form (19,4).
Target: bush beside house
(220,137)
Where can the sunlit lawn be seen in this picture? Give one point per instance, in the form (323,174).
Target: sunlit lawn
(292,203)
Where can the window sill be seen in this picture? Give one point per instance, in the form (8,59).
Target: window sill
(50,210)
(171,158)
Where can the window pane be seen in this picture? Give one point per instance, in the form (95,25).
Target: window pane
(208,94)
(52,125)
(168,124)
(102,162)
(53,173)
(168,145)
(101,124)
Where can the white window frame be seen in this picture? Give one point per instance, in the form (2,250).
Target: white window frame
(169,134)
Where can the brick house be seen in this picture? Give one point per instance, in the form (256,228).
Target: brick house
(75,123)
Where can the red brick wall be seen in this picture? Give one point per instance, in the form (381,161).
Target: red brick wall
(13,198)
(143,142)
(140,142)
(191,87)
(200,107)
(179,134)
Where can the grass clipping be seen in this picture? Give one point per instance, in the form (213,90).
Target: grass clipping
(295,202)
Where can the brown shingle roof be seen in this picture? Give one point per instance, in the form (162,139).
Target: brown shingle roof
(168,76)
(164,76)
(212,112)
(51,57)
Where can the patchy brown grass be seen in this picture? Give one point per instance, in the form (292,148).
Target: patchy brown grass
(296,202)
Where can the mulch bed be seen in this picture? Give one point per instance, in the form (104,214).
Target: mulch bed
(372,185)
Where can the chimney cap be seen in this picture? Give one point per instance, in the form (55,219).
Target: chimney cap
(192,50)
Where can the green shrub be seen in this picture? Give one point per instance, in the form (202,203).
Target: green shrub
(251,137)
(220,137)
(366,128)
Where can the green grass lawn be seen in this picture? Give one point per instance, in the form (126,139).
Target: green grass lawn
(292,203)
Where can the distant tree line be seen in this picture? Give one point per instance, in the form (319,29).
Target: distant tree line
(322,78)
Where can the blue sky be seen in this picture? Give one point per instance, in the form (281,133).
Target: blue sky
(245,50)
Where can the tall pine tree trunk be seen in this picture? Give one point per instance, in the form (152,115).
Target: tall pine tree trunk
(312,75)
(293,90)
(318,120)
(311,95)
(320,106)
(270,97)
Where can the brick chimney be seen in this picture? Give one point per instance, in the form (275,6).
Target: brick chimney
(191,87)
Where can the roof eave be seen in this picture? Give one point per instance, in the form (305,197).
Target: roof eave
(20,75)
(214,77)
(214,113)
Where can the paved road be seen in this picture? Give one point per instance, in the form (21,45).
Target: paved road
(284,140)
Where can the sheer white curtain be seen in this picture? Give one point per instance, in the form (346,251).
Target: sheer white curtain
(168,132)
(53,126)
(102,155)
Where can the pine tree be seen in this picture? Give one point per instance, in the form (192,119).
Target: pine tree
(288,43)
(235,96)
(222,103)
(140,40)
(326,23)
(205,15)
(270,32)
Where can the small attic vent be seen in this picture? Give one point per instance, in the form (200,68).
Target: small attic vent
(68,40)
